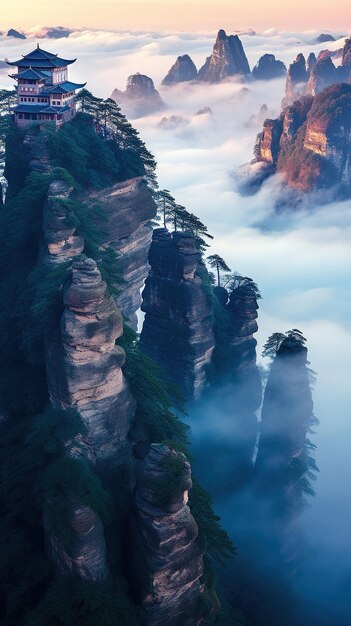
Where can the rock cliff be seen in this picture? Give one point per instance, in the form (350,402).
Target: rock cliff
(313,149)
(287,411)
(167,560)
(84,555)
(296,80)
(178,329)
(124,224)
(84,364)
(140,97)
(322,75)
(227,60)
(268,68)
(181,71)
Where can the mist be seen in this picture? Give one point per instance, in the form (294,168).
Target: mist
(300,260)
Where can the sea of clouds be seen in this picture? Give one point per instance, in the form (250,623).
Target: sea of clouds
(301,260)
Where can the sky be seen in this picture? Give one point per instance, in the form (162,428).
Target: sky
(168,15)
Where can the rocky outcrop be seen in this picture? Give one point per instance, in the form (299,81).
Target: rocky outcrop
(346,56)
(16,34)
(268,141)
(83,554)
(84,364)
(311,62)
(167,560)
(314,146)
(296,80)
(324,37)
(178,328)
(140,97)
(322,75)
(124,224)
(268,68)
(61,240)
(182,70)
(287,412)
(227,60)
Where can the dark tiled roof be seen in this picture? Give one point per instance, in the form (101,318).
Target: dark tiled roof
(39,58)
(30,74)
(39,108)
(60,88)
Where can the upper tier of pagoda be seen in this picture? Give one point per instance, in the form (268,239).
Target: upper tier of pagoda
(44,92)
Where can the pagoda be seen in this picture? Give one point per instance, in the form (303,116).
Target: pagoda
(44,93)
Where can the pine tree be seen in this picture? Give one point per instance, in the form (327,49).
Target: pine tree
(216,262)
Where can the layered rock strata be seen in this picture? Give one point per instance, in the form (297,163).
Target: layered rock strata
(228,59)
(167,560)
(84,556)
(313,150)
(84,364)
(182,70)
(123,222)
(178,326)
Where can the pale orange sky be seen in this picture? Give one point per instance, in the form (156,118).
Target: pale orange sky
(193,15)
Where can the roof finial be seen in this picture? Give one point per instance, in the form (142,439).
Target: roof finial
(37,46)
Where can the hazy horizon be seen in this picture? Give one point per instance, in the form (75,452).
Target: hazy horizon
(171,15)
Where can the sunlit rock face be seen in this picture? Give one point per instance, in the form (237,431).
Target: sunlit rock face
(268,144)
(83,555)
(84,364)
(126,211)
(228,59)
(182,70)
(178,327)
(314,147)
(167,560)
(268,67)
(140,97)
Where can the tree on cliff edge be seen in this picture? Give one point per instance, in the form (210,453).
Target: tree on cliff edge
(216,262)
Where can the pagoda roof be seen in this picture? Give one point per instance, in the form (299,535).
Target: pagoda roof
(65,87)
(31,74)
(39,58)
(39,108)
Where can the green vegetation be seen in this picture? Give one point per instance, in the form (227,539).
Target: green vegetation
(216,262)
(180,219)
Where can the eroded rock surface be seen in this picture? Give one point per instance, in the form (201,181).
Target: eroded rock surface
(84,364)
(268,67)
(83,555)
(167,560)
(178,328)
(140,97)
(228,59)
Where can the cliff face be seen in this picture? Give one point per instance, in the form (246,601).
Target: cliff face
(167,561)
(322,75)
(296,80)
(84,364)
(314,146)
(286,413)
(268,68)
(85,556)
(178,329)
(140,97)
(181,71)
(227,59)
(123,223)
